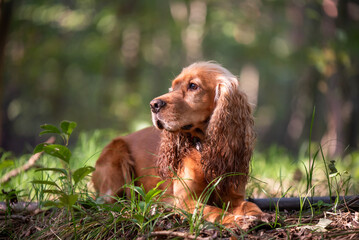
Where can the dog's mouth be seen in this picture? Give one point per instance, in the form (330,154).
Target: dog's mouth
(187,127)
(162,124)
(159,125)
(157,122)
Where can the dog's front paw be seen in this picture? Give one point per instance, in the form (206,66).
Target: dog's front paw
(247,223)
(267,218)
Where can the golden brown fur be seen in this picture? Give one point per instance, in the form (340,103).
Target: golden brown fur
(203,130)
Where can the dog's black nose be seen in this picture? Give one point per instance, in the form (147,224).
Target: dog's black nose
(156,105)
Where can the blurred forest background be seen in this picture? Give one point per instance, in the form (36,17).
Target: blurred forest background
(99,63)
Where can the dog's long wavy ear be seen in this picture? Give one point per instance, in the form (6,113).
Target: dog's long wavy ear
(230,136)
(172,148)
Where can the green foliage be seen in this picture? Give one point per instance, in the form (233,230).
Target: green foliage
(55,150)
(144,207)
(66,194)
(6,164)
(80,173)
(62,185)
(70,179)
(84,153)
(311,160)
(66,130)
(320,206)
(276,172)
(105,62)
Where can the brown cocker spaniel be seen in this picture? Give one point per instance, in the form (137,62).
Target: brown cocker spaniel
(203,130)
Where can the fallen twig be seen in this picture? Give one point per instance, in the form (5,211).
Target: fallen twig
(15,217)
(26,207)
(28,165)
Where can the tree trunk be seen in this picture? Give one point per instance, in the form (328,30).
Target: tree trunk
(6,7)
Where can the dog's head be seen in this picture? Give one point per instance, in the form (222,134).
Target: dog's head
(192,98)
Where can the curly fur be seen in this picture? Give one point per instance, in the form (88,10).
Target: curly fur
(229,137)
(173,147)
(229,140)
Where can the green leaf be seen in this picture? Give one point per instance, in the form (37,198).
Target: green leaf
(80,209)
(52,204)
(59,170)
(58,151)
(154,192)
(68,200)
(160,183)
(142,206)
(137,218)
(53,191)
(45,182)
(332,175)
(81,173)
(67,127)
(62,178)
(48,128)
(140,191)
(40,147)
(151,194)
(5,164)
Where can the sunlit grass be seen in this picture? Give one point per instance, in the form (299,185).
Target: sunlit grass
(85,152)
(279,171)
(274,173)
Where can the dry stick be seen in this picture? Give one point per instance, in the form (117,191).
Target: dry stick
(346,205)
(28,165)
(20,207)
(15,217)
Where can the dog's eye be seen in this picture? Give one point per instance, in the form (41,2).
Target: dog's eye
(192,86)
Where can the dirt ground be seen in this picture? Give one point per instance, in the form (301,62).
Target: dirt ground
(342,224)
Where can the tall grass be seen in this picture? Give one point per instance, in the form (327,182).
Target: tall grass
(62,182)
(311,160)
(273,171)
